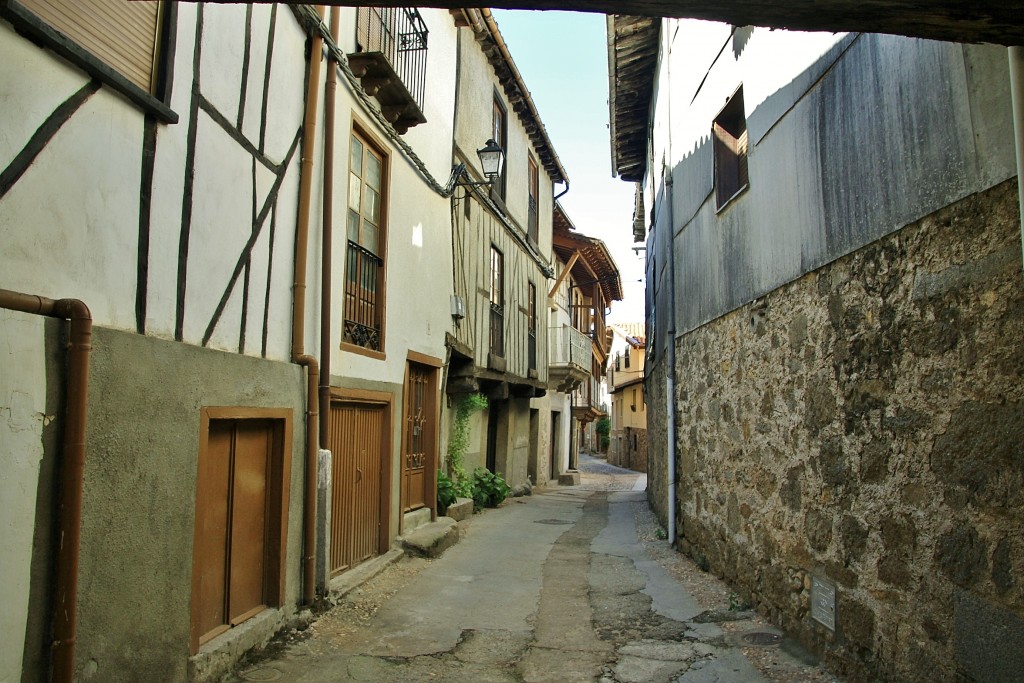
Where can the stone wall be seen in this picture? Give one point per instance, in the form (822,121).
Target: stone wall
(865,425)
(657,443)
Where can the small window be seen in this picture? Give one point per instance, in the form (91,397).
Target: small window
(730,142)
(531,322)
(626,356)
(497,301)
(533,210)
(499,133)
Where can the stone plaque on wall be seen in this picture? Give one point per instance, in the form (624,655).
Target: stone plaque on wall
(823,602)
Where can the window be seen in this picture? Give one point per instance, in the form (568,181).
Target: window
(497,300)
(730,143)
(364,267)
(120,43)
(241,517)
(531,324)
(499,133)
(533,230)
(618,361)
(632,406)
(626,356)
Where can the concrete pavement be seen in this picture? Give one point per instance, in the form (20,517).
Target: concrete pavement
(565,585)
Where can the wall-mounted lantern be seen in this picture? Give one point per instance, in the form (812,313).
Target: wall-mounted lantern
(492,159)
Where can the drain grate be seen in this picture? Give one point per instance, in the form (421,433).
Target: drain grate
(552,521)
(762,638)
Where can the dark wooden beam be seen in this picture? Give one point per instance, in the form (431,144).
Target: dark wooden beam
(965,21)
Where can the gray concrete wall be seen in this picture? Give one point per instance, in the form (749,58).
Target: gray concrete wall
(145,397)
(863,425)
(878,132)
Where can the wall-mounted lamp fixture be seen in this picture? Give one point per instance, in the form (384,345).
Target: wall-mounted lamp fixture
(492,159)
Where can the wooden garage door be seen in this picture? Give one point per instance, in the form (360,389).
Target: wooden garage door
(357,440)
(232,551)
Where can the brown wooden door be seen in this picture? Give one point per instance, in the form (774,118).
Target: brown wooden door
(357,441)
(230,552)
(419,440)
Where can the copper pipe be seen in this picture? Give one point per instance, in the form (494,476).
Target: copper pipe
(299,315)
(72,468)
(326,248)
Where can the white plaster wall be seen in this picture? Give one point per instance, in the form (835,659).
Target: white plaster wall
(220,72)
(22,418)
(64,237)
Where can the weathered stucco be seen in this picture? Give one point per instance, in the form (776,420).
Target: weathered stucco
(863,424)
(145,397)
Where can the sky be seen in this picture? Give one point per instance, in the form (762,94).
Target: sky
(563,59)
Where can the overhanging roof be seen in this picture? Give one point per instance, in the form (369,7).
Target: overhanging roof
(977,21)
(595,264)
(632,57)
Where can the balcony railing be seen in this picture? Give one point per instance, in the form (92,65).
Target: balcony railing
(391,60)
(571,354)
(362,325)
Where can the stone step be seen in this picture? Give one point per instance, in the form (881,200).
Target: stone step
(430,540)
(461,509)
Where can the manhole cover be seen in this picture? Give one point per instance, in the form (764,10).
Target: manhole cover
(762,638)
(552,521)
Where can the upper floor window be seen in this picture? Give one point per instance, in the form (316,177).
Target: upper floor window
(626,356)
(531,325)
(730,144)
(364,265)
(499,133)
(533,212)
(497,301)
(120,43)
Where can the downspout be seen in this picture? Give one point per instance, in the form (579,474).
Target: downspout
(326,248)
(1016,54)
(670,380)
(72,469)
(299,314)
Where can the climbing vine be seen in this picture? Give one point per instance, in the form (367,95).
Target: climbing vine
(459,441)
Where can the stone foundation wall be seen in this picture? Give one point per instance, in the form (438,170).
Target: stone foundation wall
(635,447)
(657,442)
(865,425)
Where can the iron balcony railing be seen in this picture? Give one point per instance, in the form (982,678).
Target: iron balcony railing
(400,34)
(362,324)
(569,346)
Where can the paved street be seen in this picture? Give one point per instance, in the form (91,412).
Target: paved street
(569,584)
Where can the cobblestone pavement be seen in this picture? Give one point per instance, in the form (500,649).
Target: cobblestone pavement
(571,584)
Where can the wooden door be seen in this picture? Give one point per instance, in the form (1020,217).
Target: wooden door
(357,440)
(230,555)
(419,439)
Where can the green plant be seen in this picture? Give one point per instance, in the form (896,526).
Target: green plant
(446,495)
(489,489)
(458,441)
(737,603)
(604,430)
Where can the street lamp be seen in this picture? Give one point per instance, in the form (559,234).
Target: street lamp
(492,159)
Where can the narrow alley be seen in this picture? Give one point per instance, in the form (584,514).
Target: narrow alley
(569,584)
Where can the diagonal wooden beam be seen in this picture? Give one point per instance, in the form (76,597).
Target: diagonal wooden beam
(565,271)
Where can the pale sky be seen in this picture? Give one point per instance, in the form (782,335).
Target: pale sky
(564,61)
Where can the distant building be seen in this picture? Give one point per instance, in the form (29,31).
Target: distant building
(624,379)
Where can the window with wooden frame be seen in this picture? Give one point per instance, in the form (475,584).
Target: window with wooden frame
(531,326)
(533,210)
(497,301)
(729,132)
(241,517)
(626,356)
(126,45)
(499,133)
(363,324)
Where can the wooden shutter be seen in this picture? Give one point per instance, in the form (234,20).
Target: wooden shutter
(123,35)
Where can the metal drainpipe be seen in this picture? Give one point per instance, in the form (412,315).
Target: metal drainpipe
(1016,55)
(72,469)
(299,314)
(326,245)
(670,381)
